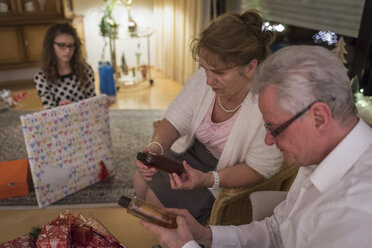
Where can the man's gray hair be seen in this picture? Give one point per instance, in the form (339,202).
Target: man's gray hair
(304,74)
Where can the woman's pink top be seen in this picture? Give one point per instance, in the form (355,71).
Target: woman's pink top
(214,135)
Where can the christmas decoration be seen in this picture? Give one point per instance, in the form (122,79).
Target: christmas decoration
(364,106)
(20,96)
(340,50)
(34,234)
(323,36)
(6,100)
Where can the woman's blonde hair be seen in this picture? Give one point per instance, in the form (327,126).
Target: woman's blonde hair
(235,39)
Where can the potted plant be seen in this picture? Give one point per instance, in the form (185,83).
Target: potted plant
(108,25)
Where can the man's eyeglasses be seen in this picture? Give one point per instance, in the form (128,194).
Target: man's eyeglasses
(63,46)
(282,127)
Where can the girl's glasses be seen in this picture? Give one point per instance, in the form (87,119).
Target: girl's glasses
(63,46)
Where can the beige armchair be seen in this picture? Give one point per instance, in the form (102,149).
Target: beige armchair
(233,206)
(264,203)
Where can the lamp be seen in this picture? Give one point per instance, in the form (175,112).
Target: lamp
(132,25)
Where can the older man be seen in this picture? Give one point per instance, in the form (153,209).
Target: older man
(306,103)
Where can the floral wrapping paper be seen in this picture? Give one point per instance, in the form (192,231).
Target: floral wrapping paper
(65,146)
(57,233)
(55,236)
(101,237)
(21,242)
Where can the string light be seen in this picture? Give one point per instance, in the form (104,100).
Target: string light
(273,27)
(325,36)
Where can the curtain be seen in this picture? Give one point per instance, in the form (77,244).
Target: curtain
(340,16)
(178,22)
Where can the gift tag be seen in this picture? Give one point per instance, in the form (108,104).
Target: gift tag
(55,175)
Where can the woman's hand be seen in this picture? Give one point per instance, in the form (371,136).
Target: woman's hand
(171,238)
(146,171)
(192,179)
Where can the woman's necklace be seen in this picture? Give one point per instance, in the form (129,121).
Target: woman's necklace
(229,110)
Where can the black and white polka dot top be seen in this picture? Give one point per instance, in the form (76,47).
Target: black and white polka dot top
(67,88)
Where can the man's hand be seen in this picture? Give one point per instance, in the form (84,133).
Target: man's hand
(172,238)
(192,179)
(202,234)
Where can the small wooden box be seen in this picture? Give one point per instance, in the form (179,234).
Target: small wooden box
(14,178)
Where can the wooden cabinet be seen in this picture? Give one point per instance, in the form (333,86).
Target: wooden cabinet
(27,9)
(34,37)
(23,24)
(21,45)
(11,46)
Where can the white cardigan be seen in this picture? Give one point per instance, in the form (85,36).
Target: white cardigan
(245,143)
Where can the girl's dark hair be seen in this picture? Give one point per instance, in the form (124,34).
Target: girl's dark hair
(235,39)
(49,59)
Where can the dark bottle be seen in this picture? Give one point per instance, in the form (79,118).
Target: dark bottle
(148,212)
(161,162)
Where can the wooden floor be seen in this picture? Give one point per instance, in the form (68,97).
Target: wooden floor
(139,96)
(17,222)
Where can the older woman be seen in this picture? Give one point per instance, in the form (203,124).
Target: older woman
(65,77)
(222,128)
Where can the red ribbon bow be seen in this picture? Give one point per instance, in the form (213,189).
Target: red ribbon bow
(104,173)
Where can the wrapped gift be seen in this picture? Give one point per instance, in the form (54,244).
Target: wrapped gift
(65,146)
(69,230)
(101,237)
(81,234)
(21,242)
(100,241)
(80,230)
(55,236)
(14,178)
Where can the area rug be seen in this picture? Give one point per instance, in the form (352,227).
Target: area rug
(131,130)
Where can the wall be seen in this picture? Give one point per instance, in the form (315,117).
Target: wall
(142,13)
(92,10)
(15,75)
